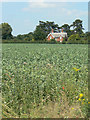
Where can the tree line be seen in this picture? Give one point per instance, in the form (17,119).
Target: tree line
(74,31)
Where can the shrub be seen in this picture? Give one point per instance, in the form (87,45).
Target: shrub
(64,41)
(53,41)
(75,38)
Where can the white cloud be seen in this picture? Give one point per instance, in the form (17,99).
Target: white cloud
(74,12)
(40,4)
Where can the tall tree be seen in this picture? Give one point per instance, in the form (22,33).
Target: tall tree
(48,26)
(66,28)
(43,29)
(6,31)
(77,26)
(39,34)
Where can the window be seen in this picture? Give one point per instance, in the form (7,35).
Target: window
(60,37)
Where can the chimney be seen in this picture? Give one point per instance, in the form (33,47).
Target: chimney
(52,30)
(62,30)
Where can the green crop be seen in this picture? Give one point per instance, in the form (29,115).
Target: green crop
(34,74)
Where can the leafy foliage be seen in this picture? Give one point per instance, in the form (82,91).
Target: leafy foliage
(77,26)
(43,29)
(6,31)
(25,37)
(76,35)
(76,38)
(66,28)
(34,75)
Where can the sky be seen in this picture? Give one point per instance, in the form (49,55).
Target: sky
(24,16)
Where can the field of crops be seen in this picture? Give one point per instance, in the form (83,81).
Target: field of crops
(44,80)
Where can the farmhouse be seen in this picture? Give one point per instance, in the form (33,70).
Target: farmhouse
(57,36)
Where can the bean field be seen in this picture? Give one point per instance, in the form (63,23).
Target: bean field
(44,80)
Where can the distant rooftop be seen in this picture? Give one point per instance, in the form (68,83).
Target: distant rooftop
(63,34)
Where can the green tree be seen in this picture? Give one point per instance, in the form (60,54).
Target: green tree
(87,37)
(19,37)
(25,37)
(6,31)
(39,34)
(43,29)
(66,28)
(30,36)
(77,26)
(72,37)
(48,26)
(75,38)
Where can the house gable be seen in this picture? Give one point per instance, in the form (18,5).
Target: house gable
(57,36)
(50,37)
